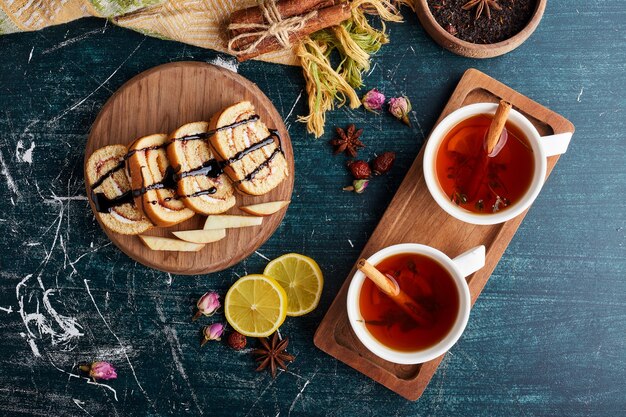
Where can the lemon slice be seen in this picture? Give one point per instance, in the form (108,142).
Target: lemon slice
(461,142)
(255,305)
(301,278)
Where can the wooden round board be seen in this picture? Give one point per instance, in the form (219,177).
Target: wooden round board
(160,100)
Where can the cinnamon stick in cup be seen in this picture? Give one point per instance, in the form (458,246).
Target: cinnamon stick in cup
(494,136)
(391,288)
(497,125)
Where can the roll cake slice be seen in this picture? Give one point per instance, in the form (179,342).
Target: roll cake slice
(153,183)
(251,153)
(200,180)
(111,191)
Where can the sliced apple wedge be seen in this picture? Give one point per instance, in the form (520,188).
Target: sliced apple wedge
(265,209)
(226,221)
(201,236)
(167,244)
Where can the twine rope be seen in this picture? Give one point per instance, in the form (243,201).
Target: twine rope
(276,26)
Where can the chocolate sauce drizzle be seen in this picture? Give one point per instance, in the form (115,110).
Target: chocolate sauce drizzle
(149,148)
(105,204)
(168,181)
(205,135)
(267,141)
(107,174)
(256,170)
(270,139)
(209,191)
(211,168)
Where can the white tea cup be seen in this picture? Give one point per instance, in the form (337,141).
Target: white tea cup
(458,268)
(542,148)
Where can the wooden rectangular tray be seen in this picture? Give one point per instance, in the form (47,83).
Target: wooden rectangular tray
(413,216)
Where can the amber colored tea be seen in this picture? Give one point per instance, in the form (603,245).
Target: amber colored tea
(428,283)
(479,183)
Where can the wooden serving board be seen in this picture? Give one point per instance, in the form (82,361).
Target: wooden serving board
(413,216)
(158,101)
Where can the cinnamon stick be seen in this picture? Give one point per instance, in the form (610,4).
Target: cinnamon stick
(493,137)
(386,285)
(497,125)
(286,8)
(326,17)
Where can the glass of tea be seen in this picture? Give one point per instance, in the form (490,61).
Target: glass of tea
(437,286)
(481,189)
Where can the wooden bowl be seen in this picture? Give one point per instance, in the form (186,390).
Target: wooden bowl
(475,50)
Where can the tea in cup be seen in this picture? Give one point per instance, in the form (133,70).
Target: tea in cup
(434,282)
(504,186)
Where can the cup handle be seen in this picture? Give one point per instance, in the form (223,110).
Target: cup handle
(555,144)
(470,261)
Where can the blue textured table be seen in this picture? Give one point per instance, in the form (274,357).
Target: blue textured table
(546,337)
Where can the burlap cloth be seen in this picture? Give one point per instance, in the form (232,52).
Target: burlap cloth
(196,22)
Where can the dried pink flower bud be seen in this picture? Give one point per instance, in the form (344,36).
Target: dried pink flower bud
(207,305)
(373,100)
(358,186)
(213,332)
(100,370)
(400,108)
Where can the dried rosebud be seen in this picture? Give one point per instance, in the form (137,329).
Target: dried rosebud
(207,305)
(360,170)
(383,162)
(400,108)
(358,186)
(237,341)
(373,100)
(212,332)
(100,370)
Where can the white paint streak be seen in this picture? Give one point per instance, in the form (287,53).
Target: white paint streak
(110,354)
(34,348)
(72,263)
(22,154)
(350,242)
(262,256)
(230,64)
(580,94)
(70,41)
(175,348)
(299,395)
(4,170)
(80,404)
(373,68)
(81,101)
(69,329)
(8,310)
(56,199)
(261,395)
(69,324)
(293,106)
(132,368)
(30,56)
(419,126)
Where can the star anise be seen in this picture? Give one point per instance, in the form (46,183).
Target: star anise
(348,141)
(482,5)
(273,354)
